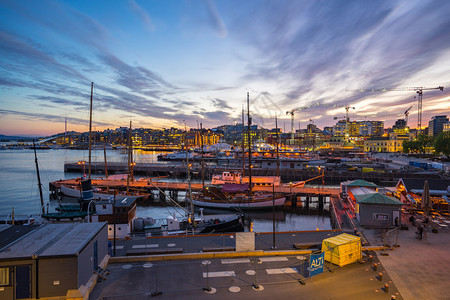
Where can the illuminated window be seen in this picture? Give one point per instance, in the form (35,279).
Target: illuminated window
(4,276)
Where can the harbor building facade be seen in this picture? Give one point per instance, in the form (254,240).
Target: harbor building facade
(436,125)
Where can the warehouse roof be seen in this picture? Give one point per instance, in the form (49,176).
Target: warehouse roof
(377,198)
(51,240)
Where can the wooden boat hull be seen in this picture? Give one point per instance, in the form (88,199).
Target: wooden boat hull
(258,204)
(226,224)
(75,193)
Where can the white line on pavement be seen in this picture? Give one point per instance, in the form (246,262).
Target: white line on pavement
(281,271)
(219,274)
(268,259)
(235,261)
(145,246)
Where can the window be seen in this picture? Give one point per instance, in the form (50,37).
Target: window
(4,276)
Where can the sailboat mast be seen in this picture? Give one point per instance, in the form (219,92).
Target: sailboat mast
(191,211)
(90,130)
(104,155)
(129,158)
(203,160)
(243,147)
(249,120)
(278,154)
(39,179)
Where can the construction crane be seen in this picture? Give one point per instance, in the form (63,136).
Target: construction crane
(418,90)
(291,112)
(406,115)
(347,119)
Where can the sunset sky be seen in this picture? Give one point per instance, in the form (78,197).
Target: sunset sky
(161,63)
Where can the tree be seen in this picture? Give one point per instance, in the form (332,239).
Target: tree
(442,143)
(408,146)
(419,145)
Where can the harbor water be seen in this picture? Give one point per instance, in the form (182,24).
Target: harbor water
(19,189)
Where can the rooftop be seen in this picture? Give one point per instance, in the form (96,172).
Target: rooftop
(48,240)
(377,198)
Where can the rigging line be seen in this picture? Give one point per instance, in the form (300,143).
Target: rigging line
(168,197)
(229,202)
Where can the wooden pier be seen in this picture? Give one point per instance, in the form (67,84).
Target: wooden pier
(159,189)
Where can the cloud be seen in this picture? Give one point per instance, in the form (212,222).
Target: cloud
(59,101)
(317,51)
(137,79)
(6,82)
(142,14)
(220,104)
(215,21)
(48,117)
(20,57)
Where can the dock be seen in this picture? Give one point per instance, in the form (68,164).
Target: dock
(179,170)
(158,190)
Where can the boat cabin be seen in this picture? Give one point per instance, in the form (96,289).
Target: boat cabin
(119,215)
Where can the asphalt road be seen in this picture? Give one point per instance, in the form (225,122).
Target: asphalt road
(282,277)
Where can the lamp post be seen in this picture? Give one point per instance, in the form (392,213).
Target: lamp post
(82,163)
(88,208)
(273,216)
(114,222)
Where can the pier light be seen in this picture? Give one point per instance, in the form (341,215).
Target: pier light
(82,163)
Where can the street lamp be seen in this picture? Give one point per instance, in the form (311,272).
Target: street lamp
(273,216)
(82,163)
(88,209)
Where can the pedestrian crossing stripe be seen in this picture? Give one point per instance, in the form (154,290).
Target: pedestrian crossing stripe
(275,258)
(145,246)
(235,261)
(219,274)
(281,271)
(118,247)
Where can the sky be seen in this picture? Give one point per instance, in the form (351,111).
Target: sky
(177,63)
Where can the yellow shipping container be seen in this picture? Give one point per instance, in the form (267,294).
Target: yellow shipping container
(366,169)
(342,249)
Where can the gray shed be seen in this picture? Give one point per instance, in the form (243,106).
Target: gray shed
(377,210)
(50,260)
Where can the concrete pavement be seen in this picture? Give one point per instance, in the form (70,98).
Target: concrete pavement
(419,268)
(281,274)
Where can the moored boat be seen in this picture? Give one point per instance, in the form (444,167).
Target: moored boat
(236,177)
(73,191)
(236,196)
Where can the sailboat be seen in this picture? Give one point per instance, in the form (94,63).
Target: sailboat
(195,225)
(238,195)
(103,188)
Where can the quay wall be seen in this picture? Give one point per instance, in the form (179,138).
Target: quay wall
(389,177)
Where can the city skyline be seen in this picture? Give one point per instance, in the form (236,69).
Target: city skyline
(165,64)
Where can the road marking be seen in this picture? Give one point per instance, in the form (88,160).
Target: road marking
(281,271)
(118,247)
(275,258)
(235,261)
(219,274)
(145,246)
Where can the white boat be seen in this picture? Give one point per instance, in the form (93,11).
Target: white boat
(236,177)
(76,193)
(177,155)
